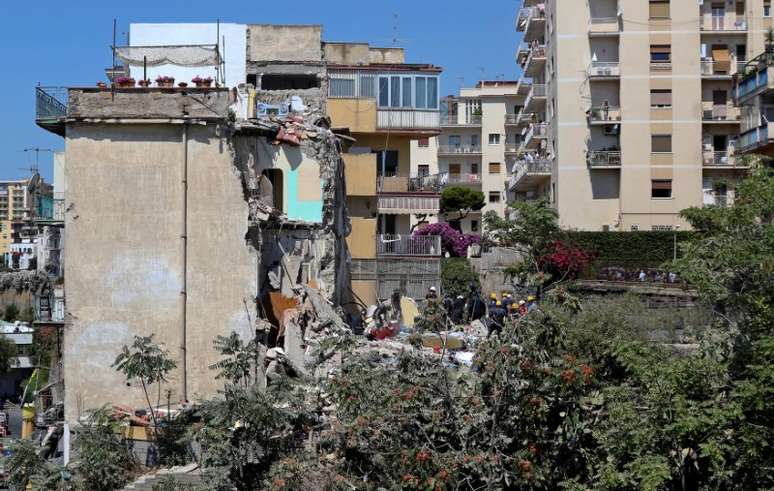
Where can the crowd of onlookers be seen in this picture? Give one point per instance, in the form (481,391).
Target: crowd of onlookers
(641,275)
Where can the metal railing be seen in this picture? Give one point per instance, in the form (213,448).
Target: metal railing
(421,184)
(723,23)
(454,179)
(720,112)
(408,245)
(539,166)
(711,67)
(526,15)
(603,158)
(718,159)
(512,147)
(459,149)
(604,114)
(50,102)
(603,24)
(511,118)
(539,130)
(59,210)
(453,119)
(604,69)
(754,137)
(660,66)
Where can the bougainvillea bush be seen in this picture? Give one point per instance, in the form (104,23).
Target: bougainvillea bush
(564,260)
(452,241)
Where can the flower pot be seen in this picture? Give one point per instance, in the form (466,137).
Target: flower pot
(125,85)
(203,83)
(144,83)
(182,85)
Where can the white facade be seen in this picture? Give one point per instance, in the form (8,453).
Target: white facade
(233,49)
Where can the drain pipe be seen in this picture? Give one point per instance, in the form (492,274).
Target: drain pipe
(184,269)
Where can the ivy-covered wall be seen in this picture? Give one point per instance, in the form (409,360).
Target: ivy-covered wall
(645,248)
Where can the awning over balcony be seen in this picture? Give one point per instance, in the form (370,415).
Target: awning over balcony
(199,55)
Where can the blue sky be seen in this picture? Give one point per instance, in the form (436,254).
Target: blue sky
(67,43)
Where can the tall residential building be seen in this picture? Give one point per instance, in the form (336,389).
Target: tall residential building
(478,145)
(387,104)
(635,100)
(21,202)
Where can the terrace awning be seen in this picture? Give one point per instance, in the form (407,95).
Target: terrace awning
(185,56)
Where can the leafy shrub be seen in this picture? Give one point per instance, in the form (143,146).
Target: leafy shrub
(11,312)
(457,274)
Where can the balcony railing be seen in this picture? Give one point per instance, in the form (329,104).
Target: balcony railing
(535,131)
(459,149)
(512,147)
(409,205)
(454,119)
(723,23)
(721,68)
(720,112)
(408,245)
(401,185)
(50,103)
(604,69)
(527,15)
(604,25)
(719,159)
(408,119)
(604,114)
(603,158)
(660,66)
(455,179)
(523,168)
(511,118)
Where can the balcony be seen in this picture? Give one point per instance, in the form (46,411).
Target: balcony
(720,113)
(409,185)
(529,173)
(51,108)
(409,195)
(456,150)
(408,119)
(536,61)
(757,140)
(460,120)
(536,100)
(660,66)
(754,79)
(511,119)
(534,135)
(723,23)
(512,148)
(604,159)
(532,22)
(409,205)
(719,160)
(720,70)
(604,26)
(603,115)
(408,245)
(604,70)
(457,179)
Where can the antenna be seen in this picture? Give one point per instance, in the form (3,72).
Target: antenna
(34,169)
(395,29)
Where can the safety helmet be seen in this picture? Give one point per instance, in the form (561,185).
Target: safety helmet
(499,303)
(521,302)
(530,298)
(493,296)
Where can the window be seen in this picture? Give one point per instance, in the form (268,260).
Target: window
(660,53)
(407,99)
(474,168)
(474,140)
(342,87)
(494,138)
(423,142)
(494,196)
(455,141)
(661,143)
(661,98)
(494,168)
(281,81)
(384,92)
(474,225)
(421,86)
(454,168)
(395,92)
(767,8)
(659,9)
(741,52)
(661,189)
(423,170)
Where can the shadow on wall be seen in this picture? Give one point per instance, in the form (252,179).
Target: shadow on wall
(605,184)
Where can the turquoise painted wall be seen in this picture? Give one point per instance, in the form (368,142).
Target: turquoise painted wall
(308,211)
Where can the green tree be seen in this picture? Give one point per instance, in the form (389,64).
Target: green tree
(8,354)
(458,202)
(147,362)
(11,313)
(457,274)
(23,463)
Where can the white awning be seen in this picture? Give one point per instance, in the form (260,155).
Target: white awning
(186,56)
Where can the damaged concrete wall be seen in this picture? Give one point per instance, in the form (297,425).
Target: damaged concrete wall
(124,254)
(386,55)
(284,43)
(148,103)
(314,100)
(346,53)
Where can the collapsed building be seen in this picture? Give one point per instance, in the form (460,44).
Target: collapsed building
(197,212)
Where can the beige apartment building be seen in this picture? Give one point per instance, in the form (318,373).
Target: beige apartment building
(635,100)
(478,145)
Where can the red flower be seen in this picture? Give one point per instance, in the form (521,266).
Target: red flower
(568,376)
(587,372)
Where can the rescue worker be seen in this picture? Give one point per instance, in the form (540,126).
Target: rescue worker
(431,293)
(522,308)
(492,300)
(458,309)
(496,319)
(507,301)
(531,304)
(513,311)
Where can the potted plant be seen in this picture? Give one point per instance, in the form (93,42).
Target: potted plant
(182,85)
(144,83)
(202,82)
(125,82)
(165,81)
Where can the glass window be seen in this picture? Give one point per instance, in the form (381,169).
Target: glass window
(407,99)
(384,92)
(661,188)
(424,142)
(342,87)
(494,196)
(367,86)
(395,92)
(432,92)
(494,139)
(660,98)
(767,8)
(421,89)
(660,53)
(661,143)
